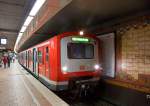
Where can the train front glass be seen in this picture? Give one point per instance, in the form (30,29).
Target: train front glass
(80,51)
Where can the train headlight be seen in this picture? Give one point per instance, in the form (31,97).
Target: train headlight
(64,68)
(97,66)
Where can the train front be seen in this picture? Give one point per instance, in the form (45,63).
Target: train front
(80,61)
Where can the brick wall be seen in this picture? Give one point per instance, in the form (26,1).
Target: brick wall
(135,53)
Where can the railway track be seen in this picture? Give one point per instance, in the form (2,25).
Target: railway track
(90,100)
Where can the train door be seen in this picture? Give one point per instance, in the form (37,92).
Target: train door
(47,68)
(31,60)
(35,64)
(26,58)
(40,61)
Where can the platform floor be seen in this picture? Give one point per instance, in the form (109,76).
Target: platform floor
(17,90)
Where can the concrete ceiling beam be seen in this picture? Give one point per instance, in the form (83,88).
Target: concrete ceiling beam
(8,30)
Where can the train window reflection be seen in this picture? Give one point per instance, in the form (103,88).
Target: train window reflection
(47,54)
(30,56)
(80,51)
(39,56)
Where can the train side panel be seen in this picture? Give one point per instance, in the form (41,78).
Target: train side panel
(48,62)
(41,67)
(54,60)
(44,60)
(30,60)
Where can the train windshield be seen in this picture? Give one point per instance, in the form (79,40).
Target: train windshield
(80,51)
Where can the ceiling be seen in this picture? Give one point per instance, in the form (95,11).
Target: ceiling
(86,14)
(12,16)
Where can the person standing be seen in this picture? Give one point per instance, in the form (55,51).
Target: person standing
(13,58)
(0,61)
(4,61)
(8,60)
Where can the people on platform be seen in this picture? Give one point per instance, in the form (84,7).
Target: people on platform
(0,61)
(13,59)
(5,61)
(8,60)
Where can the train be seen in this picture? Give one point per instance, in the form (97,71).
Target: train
(65,61)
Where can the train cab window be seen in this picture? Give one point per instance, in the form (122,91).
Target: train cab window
(80,51)
(40,57)
(47,54)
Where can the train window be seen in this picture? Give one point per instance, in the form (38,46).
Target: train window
(30,56)
(40,57)
(80,51)
(46,50)
(47,54)
(26,55)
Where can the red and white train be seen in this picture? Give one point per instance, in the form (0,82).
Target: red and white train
(64,61)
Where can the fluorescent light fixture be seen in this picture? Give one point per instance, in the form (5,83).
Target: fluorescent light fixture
(20,34)
(23,28)
(19,37)
(28,20)
(3,41)
(37,5)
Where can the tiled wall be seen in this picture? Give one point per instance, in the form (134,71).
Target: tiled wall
(135,53)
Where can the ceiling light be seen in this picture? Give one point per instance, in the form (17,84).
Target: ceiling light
(3,41)
(38,4)
(81,32)
(28,20)
(20,34)
(23,28)
(19,37)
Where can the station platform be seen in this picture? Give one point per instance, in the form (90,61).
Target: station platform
(19,88)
